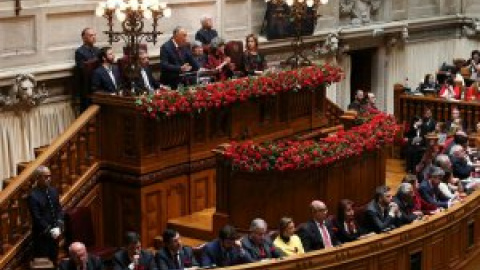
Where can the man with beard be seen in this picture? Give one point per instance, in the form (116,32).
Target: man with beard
(106,77)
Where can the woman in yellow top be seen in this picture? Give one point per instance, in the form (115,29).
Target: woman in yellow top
(287,240)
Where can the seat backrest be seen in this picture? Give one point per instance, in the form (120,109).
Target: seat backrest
(360,215)
(234,49)
(79,226)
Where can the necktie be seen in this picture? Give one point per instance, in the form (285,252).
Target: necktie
(179,53)
(261,252)
(110,72)
(176,259)
(146,81)
(351,227)
(325,236)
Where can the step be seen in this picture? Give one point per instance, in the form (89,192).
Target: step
(21,166)
(197,225)
(186,241)
(7,181)
(39,150)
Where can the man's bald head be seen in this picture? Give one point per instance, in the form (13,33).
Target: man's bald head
(319,210)
(78,253)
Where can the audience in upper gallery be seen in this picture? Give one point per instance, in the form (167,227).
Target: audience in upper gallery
(404,200)
(429,189)
(87,51)
(147,82)
(176,60)
(456,122)
(382,214)
(428,123)
(450,187)
(472,93)
(206,34)
(226,250)
(106,77)
(47,215)
(462,167)
(254,62)
(441,132)
(287,241)
(174,255)
(345,225)
(80,260)
(258,244)
(459,138)
(419,204)
(132,256)
(218,61)
(370,105)
(452,89)
(359,103)
(317,233)
(416,144)
(429,85)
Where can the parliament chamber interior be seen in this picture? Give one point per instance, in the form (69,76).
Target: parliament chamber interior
(239,134)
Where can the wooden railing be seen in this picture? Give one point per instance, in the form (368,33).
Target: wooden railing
(72,159)
(333,112)
(448,240)
(407,106)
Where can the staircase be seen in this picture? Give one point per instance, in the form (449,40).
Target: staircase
(73,161)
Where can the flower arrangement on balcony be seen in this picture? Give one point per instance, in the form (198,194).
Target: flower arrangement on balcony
(197,99)
(378,130)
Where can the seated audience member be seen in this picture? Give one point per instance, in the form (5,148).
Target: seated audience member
(462,167)
(416,144)
(147,82)
(428,123)
(317,233)
(80,259)
(429,189)
(359,103)
(206,34)
(474,65)
(87,51)
(451,90)
(47,216)
(225,251)
(176,59)
(450,186)
(257,244)
(106,77)
(345,226)
(217,60)
(472,93)
(404,200)
(370,105)
(429,85)
(255,63)
(133,257)
(419,204)
(287,241)
(382,213)
(174,255)
(441,132)
(459,138)
(455,121)
(198,54)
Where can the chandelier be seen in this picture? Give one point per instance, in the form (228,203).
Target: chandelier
(300,11)
(132,15)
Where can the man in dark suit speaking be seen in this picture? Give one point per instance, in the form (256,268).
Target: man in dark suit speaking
(47,216)
(176,59)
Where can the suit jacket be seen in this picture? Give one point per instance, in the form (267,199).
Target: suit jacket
(84,53)
(121,261)
(428,125)
(379,221)
(43,218)
(406,208)
(345,236)
(205,36)
(215,255)
(153,83)
(93,263)
(254,251)
(432,195)
(460,168)
(101,80)
(171,61)
(311,237)
(165,260)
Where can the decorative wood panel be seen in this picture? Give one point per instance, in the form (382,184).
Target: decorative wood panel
(202,190)
(177,193)
(154,214)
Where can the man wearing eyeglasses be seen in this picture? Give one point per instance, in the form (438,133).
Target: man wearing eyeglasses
(47,216)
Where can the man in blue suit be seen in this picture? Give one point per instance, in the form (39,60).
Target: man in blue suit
(174,255)
(146,80)
(176,59)
(225,251)
(258,245)
(429,189)
(133,257)
(106,77)
(47,216)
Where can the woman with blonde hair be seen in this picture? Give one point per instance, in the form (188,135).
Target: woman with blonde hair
(287,241)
